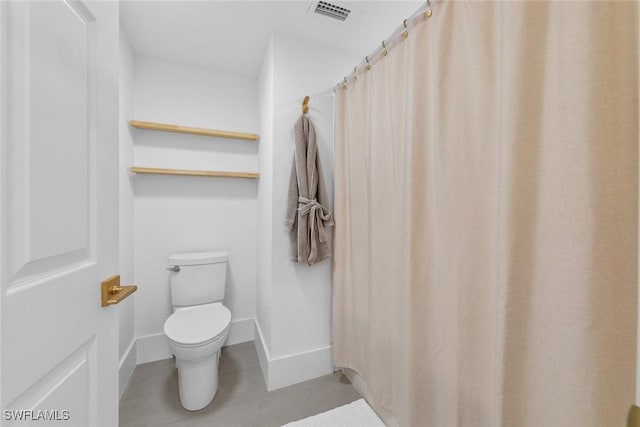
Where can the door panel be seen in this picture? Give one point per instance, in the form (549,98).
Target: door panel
(50,171)
(72,375)
(58,346)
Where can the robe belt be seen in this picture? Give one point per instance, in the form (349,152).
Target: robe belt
(317,215)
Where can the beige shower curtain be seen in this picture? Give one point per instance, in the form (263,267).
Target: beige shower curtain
(486,217)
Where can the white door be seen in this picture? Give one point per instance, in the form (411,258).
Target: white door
(58,211)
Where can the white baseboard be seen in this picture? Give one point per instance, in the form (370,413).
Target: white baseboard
(241,331)
(278,372)
(152,347)
(156,347)
(296,368)
(291,369)
(263,352)
(126,366)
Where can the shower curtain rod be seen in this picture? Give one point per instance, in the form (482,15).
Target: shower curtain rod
(387,44)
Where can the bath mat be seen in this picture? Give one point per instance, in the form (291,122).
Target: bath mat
(354,414)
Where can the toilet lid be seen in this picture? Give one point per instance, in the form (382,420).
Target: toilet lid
(198,324)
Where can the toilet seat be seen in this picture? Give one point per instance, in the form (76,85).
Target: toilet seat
(198,325)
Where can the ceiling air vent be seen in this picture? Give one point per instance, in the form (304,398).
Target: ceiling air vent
(332,10)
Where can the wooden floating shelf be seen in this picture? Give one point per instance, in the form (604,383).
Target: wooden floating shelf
(188,172)
(194,131)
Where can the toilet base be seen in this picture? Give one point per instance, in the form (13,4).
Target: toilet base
(198,381)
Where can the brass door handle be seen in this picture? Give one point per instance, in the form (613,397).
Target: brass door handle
(113,293)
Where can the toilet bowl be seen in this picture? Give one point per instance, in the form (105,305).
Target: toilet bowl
(196,335)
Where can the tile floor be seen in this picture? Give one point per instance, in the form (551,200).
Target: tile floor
(242,400)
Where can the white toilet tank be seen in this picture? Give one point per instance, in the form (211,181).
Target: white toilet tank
(197,278)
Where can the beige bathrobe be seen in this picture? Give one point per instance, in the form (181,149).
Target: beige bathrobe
(307,211)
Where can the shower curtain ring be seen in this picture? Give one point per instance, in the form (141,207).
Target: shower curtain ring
(344,85)
(384,49)
(368,67)
(405,34)
(429,12)
(355,73)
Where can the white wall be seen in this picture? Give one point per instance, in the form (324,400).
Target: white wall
(297,342)
(126,270)
(177,214)
(265,195)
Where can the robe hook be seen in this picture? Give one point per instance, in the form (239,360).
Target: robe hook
(305,105)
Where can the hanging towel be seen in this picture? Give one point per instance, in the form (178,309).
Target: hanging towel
(307,212)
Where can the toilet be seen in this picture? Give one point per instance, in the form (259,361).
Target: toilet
(199,325)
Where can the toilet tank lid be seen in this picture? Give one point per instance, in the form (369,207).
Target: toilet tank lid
(197,258)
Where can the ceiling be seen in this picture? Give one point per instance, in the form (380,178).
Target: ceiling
(232,36)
